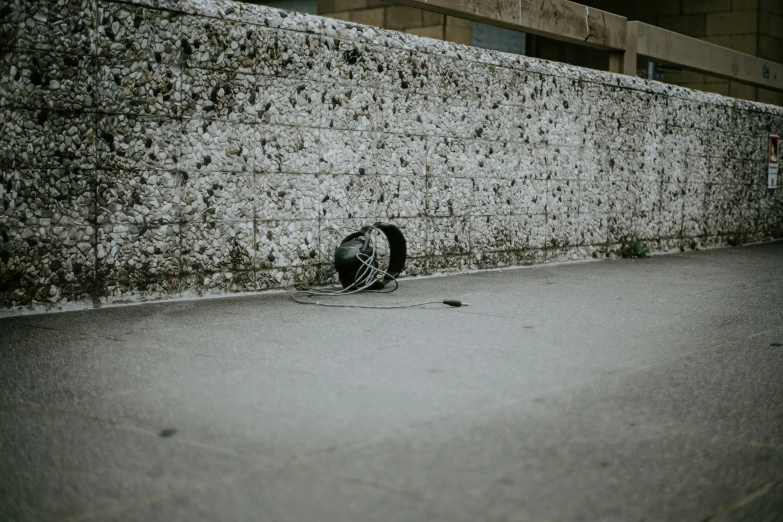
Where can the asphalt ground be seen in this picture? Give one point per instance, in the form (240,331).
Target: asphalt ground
(622,390)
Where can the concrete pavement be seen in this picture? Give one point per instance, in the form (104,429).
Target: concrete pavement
(614,390)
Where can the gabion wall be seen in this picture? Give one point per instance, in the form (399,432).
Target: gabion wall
(156,147)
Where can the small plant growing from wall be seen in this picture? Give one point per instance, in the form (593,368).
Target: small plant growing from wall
(634,249)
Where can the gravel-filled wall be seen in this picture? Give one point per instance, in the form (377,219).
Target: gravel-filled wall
(156,147)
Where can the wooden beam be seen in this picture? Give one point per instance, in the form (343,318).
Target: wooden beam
(574,23)
(504,13)
(624,62)
(616,62)
(631,54)
(697,55)
(557,19)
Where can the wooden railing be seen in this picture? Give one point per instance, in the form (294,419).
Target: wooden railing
(583,25)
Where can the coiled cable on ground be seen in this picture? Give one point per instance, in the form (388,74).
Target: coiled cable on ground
(366,277)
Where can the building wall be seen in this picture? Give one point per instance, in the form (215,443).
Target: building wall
(771,42)
(729,23)
(749,26)
(209,146)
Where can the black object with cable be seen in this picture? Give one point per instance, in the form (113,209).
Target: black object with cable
(355,260)
(358,247)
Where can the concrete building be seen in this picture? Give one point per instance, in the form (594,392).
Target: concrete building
(750,26)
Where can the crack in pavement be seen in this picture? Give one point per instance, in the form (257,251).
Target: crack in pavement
(747,500)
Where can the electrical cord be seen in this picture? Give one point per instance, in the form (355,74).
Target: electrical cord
(456,304)
(366,277)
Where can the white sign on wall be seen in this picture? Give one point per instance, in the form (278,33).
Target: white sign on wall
(774,161)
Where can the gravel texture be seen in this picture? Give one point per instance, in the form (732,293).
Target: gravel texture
(165,146)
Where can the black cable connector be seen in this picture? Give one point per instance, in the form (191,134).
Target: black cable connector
(455,304)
